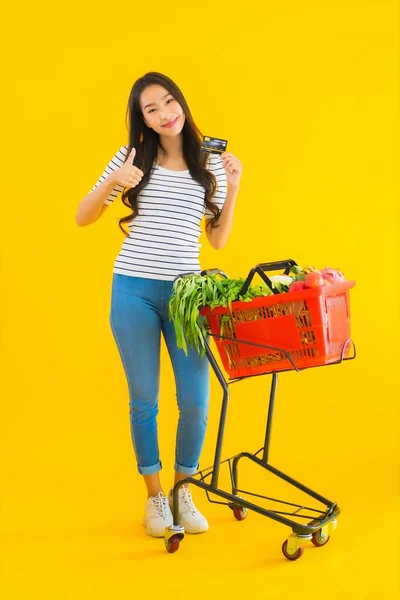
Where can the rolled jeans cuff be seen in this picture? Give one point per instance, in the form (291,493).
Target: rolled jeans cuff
(186,470)
(150,470)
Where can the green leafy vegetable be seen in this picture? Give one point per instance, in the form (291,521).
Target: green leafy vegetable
(192,292)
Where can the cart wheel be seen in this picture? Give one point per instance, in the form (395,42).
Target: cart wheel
(296,555)
(239,513)
(172,544)
(318,539)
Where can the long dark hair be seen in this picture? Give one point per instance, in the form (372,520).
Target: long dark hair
(147,141)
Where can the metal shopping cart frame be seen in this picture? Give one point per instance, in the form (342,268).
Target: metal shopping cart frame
(319,524)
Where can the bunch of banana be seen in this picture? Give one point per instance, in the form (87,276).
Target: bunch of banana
(307,270)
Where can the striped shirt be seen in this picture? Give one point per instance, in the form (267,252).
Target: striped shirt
(163,239)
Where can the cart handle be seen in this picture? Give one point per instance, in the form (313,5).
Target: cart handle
(271,266)
(205,272)
(183,275)
(214,272)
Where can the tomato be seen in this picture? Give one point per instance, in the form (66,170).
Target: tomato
(296,286)
(314,279)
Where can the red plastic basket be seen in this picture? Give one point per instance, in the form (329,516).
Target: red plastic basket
(311,325)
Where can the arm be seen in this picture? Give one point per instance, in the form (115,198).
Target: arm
(92,206)
(230,175)
(219,235)
(103,193)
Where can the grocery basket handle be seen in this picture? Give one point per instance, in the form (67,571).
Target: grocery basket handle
(280,264)
(214,272)
(262,267)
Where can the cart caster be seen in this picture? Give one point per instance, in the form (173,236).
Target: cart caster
(239,513)
(172,544)
(322,536)
(293,547)
(298,553)
(173,537)
(319,538)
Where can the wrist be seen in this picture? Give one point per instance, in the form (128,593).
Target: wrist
(234,187)
(111,181)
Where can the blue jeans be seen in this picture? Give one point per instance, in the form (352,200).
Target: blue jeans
(139,313)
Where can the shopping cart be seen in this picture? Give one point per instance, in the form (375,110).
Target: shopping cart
(268,335)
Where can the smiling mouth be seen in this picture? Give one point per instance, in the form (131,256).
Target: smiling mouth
(171,123)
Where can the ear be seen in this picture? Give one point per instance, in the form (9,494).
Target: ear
(144,121)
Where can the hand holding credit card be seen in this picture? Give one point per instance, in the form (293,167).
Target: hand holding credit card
(232,165)
(214,145)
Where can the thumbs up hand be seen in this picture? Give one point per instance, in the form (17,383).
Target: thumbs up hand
(128,175)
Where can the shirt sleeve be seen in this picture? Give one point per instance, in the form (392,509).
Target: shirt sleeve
(215,165)
(115,163)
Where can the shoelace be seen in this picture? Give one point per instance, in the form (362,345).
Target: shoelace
(186,501)
(160,503)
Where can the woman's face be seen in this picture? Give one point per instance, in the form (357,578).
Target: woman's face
(161,111)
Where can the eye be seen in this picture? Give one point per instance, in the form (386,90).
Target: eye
(169,100)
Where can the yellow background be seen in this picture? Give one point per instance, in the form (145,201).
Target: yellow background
(307,95)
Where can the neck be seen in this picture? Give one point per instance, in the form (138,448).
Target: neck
(172,145)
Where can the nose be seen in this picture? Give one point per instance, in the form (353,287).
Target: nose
(165,117)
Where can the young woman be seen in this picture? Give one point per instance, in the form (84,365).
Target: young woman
(170,185)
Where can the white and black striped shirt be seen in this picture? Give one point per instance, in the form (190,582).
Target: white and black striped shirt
(163,239)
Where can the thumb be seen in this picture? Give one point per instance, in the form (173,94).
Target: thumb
(132,155)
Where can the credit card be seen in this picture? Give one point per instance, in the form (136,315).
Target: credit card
(214,145)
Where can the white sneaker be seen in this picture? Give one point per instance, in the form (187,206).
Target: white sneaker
(157,515)
(190,518)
